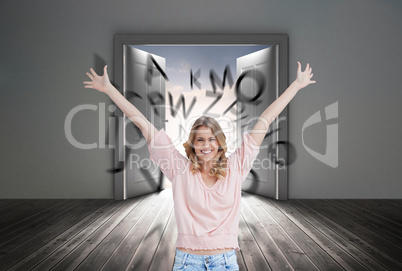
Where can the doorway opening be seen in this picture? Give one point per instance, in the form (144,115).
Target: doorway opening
(174,79)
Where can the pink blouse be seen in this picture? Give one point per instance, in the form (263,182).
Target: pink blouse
(206,217)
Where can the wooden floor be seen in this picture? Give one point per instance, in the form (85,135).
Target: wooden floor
(140,233)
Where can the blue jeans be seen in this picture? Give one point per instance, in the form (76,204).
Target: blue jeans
(219,262)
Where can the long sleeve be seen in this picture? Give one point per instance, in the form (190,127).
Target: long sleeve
(244,156)
(164,154)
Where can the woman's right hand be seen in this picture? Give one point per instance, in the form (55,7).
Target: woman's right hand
(100,83)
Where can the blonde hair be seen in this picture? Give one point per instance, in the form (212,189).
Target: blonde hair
(219,162)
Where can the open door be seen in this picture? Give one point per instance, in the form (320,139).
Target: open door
(144,87)
(260,79)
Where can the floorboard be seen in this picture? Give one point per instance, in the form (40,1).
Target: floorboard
(272,253)
(140,234)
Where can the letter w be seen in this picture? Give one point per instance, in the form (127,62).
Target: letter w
(173,112)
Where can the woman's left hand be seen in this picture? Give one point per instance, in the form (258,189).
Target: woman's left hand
(303,79)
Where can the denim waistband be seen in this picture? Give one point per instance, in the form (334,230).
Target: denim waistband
(185,257)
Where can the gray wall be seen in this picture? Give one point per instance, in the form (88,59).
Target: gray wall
(46,47)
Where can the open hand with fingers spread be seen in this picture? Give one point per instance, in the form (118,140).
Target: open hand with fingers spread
(101,83)
(303,79)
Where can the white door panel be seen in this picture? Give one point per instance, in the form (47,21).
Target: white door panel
(142,176)
(262,179)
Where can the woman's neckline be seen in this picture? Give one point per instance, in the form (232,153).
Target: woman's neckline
(205,185)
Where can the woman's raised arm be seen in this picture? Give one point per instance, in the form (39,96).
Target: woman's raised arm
(303,79)
(102,84)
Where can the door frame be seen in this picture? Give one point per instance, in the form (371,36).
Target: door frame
(281,40)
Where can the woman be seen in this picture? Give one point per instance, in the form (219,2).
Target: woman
(206,184)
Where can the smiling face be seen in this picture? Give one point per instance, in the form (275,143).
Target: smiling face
(205,144)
